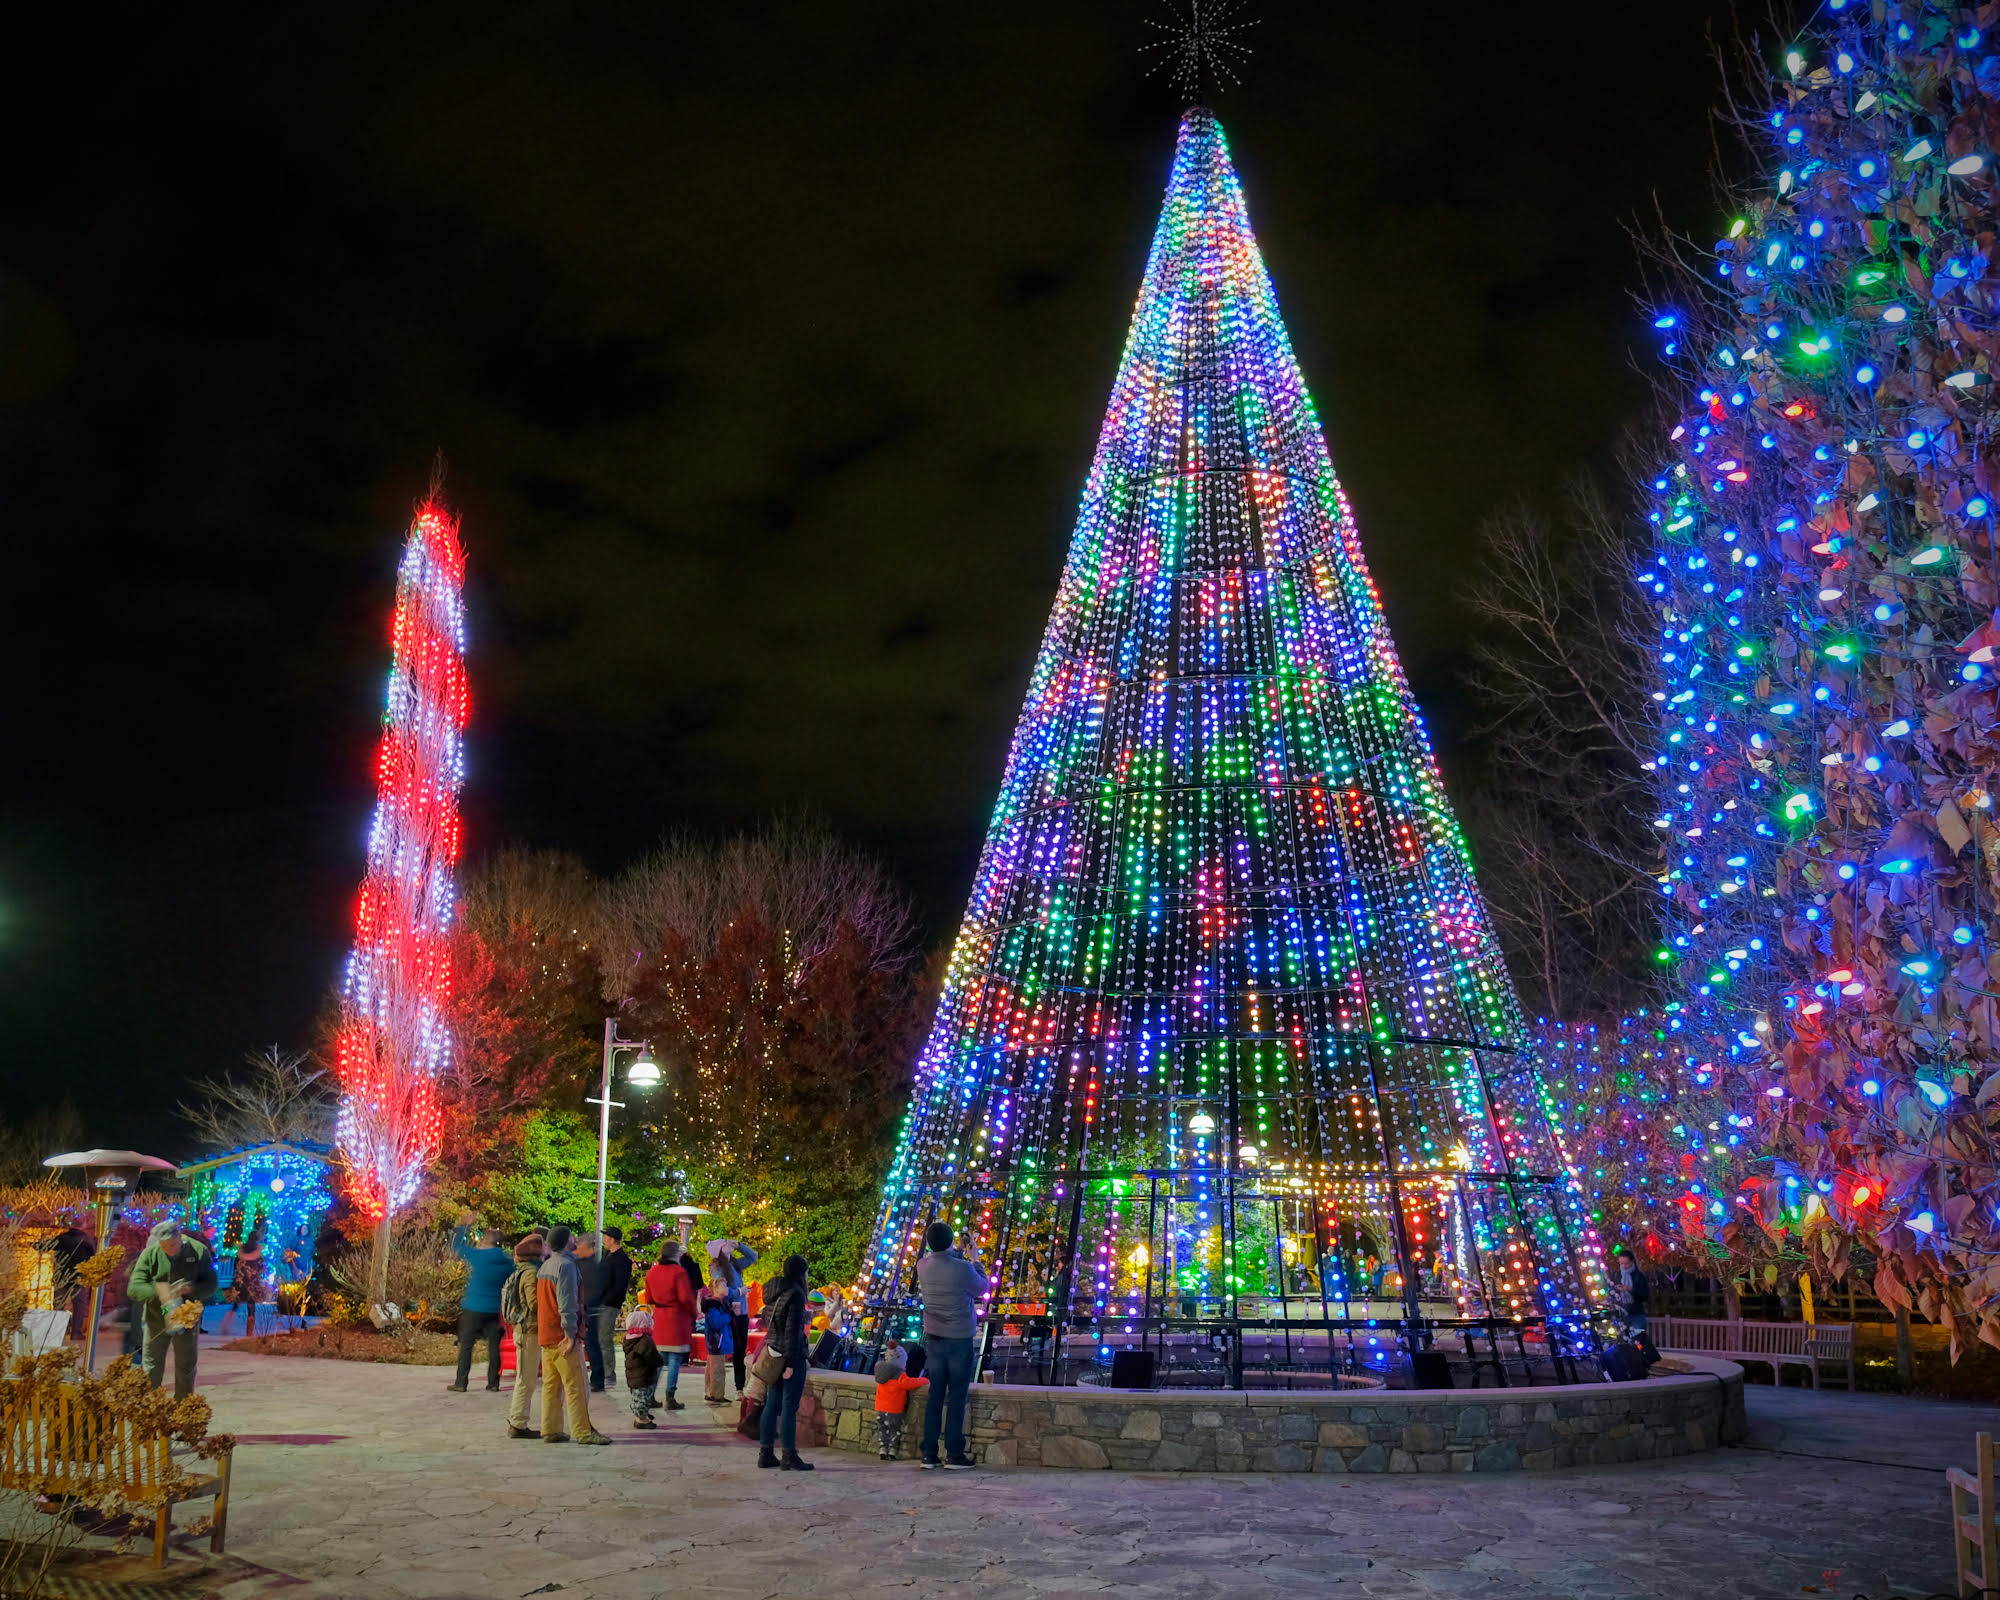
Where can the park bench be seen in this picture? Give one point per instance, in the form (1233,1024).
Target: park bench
(53,1442)
(1800,1344)
(1973,1532)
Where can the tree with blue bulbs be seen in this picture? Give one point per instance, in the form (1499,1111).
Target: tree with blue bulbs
(1824,580)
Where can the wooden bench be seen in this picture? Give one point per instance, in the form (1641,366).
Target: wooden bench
(52,1442)
(1801,1344)
(1973,1532)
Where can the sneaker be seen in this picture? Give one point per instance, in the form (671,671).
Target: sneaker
(887,1457)
(598,1438)
(959,1463)
(524,1433)
(930,1463)
(456,1388)
(555,1438)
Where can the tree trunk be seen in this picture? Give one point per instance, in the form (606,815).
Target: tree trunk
(1906,1355)
(378,1265)
(1732,1302)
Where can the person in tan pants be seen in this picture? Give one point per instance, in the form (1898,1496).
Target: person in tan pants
(559,1331)
(518,1303)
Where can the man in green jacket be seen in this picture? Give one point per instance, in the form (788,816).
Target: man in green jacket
(172,1270)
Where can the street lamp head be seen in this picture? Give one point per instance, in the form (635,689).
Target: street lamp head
(645,1072)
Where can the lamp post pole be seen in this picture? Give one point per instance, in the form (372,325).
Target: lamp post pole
(644,1072)
(108,1188)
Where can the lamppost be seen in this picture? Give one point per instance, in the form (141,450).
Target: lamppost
(110,1173)
(642,1074)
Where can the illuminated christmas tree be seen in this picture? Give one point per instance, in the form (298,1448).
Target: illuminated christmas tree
(1825,582)
(393,1039)
(1226,1040)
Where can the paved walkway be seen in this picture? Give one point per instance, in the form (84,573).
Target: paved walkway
(375,1482)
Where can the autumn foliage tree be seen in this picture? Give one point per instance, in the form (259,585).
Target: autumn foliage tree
(527,1009)
(777,977)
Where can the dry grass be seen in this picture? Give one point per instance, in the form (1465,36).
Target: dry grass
(414,1349)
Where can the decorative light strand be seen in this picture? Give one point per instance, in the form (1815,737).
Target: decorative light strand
(393,1039)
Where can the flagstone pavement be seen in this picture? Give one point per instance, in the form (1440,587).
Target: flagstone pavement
(374,1481)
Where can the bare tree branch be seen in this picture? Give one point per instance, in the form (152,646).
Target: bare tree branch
(283,1097)
(1559,670)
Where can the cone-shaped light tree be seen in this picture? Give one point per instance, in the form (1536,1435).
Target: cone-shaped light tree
(1226,1039)
(393,1039)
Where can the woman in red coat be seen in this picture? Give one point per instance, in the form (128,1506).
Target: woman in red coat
(671,1295)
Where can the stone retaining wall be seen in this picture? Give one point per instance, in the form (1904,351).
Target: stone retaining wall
(1476,1430)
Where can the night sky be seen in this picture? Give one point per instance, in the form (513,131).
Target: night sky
(768,344)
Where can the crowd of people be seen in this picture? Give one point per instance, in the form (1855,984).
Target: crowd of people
(562,1296)
(579,1309)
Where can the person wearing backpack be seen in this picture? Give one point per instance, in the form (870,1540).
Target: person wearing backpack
(517,1310)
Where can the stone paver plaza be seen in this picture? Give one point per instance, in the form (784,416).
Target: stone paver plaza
(373,1481)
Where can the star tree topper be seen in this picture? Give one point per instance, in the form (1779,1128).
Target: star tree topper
(1200,46)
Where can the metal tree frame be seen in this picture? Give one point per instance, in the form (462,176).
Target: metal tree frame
(1226,1031)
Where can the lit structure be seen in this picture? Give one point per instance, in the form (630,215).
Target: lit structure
(1634,1115)
(284,1186)
(1825,577)
(1226,1046)
(393,1038)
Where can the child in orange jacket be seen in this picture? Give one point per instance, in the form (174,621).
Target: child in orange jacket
(893,1388)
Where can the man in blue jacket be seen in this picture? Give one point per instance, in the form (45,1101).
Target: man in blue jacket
(488,1268)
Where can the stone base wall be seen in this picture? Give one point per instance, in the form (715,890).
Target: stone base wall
(1477,1430)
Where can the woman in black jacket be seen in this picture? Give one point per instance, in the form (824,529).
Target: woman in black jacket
(785,1330)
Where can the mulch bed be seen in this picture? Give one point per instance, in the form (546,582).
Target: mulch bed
(417,1349)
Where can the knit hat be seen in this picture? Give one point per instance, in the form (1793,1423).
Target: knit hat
(529,1249)
(559,1237)
(889,1368)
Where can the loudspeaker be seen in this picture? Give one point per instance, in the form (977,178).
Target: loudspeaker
(1132,1369)
(1431,1370)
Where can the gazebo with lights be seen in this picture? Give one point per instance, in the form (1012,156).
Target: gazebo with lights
(284,1185)
(1227,1067)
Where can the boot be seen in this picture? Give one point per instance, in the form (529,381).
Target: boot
(794,1462)
(766,1456)
(673,1404)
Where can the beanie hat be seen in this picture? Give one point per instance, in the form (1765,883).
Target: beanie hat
(559,1237)
(940,1236)
(889,1369)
